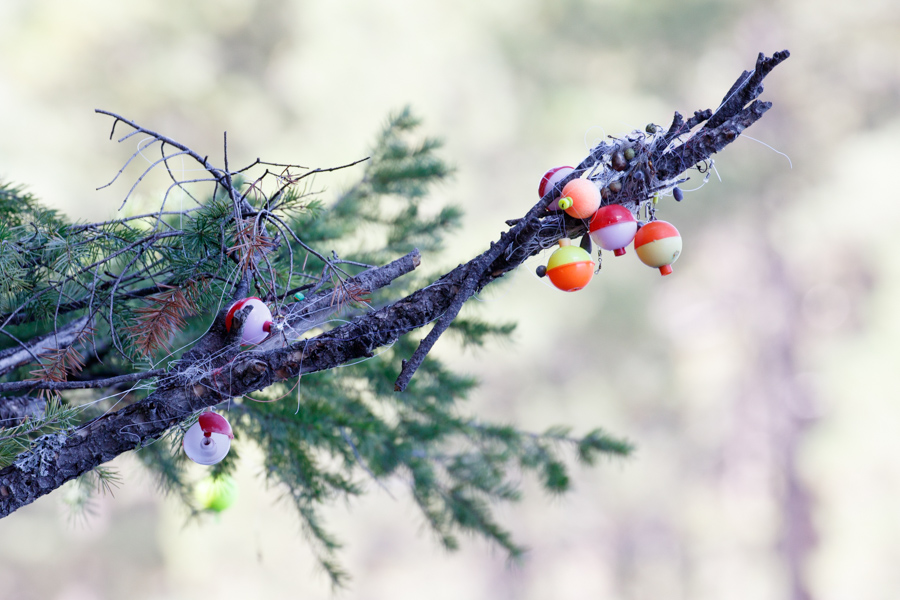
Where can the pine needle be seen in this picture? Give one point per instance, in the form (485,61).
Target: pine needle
(166,314)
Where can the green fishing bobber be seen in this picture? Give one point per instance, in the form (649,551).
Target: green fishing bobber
(216,494)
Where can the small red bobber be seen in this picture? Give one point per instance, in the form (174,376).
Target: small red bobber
(551,178)
(580,198)
(257,324)
(570,268)
(208,440)
(658,245)
(613,227)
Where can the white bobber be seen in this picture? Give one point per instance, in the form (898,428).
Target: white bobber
(258,322)
(551,178)
(207,441)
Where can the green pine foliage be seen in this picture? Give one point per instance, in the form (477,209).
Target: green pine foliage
(381,216)
(16,439)
(150,284)
(80,495)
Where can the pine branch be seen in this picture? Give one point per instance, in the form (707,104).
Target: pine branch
(194,386)
(178,397)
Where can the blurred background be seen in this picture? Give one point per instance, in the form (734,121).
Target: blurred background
(758,381)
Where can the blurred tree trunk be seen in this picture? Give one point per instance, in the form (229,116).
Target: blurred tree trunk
(790,404)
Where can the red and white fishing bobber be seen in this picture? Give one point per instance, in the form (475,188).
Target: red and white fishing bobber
(551,178)
(613,227)
(208,440)
(580,198)
(257,324)
(570,268)
(658,245)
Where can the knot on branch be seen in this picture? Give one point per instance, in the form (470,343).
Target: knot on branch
(251,374)
(235,379)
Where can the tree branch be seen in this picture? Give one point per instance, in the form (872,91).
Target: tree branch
(15,357)
(194,385)
(18,386)
(200,382)
(16,409)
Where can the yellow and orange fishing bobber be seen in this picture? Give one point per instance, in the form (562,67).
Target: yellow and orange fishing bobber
(551,178)
(570,268)
(658,245)
(580,198)
(613,227)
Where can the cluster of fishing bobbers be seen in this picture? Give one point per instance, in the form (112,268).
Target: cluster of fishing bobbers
(611,226)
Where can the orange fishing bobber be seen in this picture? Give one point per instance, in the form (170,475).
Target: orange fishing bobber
(570,268)
(551,178)
(257,324)
(208,440)
(580,198)
(658,245)
(613,227)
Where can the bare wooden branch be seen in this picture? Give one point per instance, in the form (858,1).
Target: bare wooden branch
(14,410)
(217,173)
(62,338)
(55,386)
